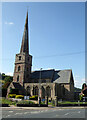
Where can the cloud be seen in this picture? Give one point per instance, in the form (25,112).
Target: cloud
(77,76)
(9,73)
(9,23)
(79,81)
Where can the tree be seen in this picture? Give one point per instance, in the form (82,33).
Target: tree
(8,79)
(84,84)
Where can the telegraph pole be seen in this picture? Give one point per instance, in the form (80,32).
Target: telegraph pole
(39,96)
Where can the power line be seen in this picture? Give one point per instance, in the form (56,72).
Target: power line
(56,55)
(65,54)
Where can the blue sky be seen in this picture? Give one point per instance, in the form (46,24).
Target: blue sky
(56,36)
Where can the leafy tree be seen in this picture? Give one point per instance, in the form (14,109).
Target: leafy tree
(6,84)
(3,74)
(84,84)
(8,79)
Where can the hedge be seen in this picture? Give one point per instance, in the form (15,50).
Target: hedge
(19,96)
(11,95)
(35,97)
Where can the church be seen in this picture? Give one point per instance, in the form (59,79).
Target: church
(46,83)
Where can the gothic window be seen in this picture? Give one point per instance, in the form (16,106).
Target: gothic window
(48,91)
(63,90)
(18,78)
(28,90)
(43,92)
(19,57)
(18,68)
(35,90)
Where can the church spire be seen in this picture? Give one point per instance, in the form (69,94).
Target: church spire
(24,45)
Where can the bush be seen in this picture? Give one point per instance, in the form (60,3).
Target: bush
(81,97)
(19,96)
(35,97)
(11,95)
(25,102)
(6,101)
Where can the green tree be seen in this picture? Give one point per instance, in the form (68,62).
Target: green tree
(8,79)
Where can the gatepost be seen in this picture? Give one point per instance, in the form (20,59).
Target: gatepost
(56,100)
(46,100)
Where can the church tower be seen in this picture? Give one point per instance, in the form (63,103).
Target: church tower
(23,60)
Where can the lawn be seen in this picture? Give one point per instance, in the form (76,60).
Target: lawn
(10,102)
(7,101)
(68,102)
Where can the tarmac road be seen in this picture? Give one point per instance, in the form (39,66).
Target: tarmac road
(46,112)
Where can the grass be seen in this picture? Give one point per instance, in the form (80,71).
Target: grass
(10,102)
(7,101)
(68,102)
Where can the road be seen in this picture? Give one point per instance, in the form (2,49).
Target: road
(44,112)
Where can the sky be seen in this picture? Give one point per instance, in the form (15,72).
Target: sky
(56,36)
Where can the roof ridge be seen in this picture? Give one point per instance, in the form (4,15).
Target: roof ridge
(64,70)
(44,70)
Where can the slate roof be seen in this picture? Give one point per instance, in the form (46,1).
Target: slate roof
(45,74)
(60,76)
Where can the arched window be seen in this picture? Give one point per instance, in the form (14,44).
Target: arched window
(35,90)
(19,57)
(43,92)
(48,91)
(63,90)
(18,78)
(28,90)
(18,68)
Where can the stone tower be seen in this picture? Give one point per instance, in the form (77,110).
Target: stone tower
(23,61)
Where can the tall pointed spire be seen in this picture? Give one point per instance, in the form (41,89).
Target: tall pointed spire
(24,45)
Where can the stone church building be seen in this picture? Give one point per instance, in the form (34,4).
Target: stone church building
(52,83)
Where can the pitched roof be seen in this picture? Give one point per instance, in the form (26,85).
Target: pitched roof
(45,74)
(60,76)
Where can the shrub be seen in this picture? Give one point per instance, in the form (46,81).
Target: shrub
(11,95)
(19,96)
(6,101)
(81,97)
(25,102)
(35,97)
